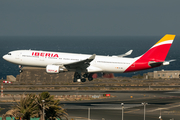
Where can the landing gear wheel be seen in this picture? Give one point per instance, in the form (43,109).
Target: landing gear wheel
(78,76)
(83,80)
(20,70)
(75,80)
(90,78)
(85,75)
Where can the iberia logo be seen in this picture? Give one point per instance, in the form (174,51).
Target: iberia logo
(56,71)
(45,54)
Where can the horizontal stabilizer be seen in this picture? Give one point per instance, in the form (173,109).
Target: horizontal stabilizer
(156,64)
(168,62)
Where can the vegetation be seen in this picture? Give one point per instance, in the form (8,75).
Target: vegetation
(32,105)
(52,107)
(55,111)
(25,108)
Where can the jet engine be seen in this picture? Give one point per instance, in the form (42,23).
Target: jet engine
(52,69)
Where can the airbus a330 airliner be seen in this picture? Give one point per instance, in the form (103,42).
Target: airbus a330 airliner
(56,62)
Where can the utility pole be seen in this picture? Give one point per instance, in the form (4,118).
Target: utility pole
(43,108)
(160,115)
(144,109)
(89,113)
(2,89)
(122,104)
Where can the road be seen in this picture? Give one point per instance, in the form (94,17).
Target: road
(168,102)
(91,85)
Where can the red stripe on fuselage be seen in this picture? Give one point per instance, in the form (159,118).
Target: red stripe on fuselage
(156,54)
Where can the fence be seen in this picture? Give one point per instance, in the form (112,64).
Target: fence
(9,118)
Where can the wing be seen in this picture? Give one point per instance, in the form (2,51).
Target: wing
(82,65)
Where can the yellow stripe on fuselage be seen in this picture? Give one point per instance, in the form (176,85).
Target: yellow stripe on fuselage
(166,38)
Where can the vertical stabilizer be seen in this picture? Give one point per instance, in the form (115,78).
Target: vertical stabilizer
(159,51)
(156,55)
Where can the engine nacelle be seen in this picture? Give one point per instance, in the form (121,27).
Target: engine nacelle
(52,69)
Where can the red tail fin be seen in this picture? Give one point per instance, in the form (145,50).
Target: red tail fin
(156,53)
(160,50)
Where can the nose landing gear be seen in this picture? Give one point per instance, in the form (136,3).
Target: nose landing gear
(20,67)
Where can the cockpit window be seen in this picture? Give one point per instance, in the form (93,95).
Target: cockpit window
(9,53)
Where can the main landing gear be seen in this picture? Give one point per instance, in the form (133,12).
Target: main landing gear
(86,75)
(20,67)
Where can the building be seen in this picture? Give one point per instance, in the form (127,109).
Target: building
(37,75)
(163,74)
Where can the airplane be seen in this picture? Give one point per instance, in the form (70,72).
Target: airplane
(56,62)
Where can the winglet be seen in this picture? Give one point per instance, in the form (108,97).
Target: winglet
(126,54)
(129,52)
(92,57)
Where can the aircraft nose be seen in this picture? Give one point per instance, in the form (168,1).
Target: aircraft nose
(5,57)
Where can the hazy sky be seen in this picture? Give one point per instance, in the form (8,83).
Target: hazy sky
(89,17)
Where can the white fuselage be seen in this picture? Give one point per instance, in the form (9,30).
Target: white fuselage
(56,62)
(44,58)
